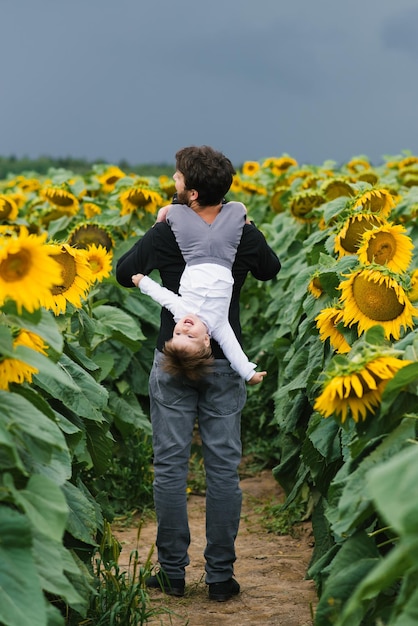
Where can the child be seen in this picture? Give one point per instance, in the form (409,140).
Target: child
(201,308)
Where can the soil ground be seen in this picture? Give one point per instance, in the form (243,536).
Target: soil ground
(270,568)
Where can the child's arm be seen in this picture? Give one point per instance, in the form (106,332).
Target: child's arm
(231,347)
(163,296)
(162,213)
(257,378)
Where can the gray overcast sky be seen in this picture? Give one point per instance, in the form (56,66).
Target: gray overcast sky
(138,79)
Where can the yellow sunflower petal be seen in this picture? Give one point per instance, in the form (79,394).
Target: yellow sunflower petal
(387,245)
(371,298)
(27,270)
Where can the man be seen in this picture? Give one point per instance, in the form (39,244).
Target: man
(203,176)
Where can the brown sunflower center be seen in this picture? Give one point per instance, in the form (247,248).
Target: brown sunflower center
(111,180)
(137,198)
(381,248)
(377,302)
(354,231)
(68,272)
(84,236)
(301,205)
(5,208)
(15,266)
(60,199)
(336,189)
(375,203)
(317,283)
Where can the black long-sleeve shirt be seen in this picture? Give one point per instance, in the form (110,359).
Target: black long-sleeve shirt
(158,250)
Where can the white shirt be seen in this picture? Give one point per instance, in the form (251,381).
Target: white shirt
(205,290)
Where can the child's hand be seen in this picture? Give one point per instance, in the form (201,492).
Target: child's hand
(162,213)
(257,378)
(136,279)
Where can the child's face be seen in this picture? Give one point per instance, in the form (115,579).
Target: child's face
(190,332)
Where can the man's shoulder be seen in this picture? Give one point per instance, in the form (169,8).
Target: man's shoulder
(251,234)
(160,230)
(162,238)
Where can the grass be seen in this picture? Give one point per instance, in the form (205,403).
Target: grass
(120,596)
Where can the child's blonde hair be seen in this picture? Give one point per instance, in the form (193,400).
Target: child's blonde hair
(181,361)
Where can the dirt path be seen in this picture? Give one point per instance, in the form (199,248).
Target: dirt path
(270,568)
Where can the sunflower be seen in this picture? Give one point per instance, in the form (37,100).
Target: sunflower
(167,185)
(358,165)
(327,324)
(8,208)
(386,245)
(408,161)
(379,201)
(19,198)
(297,175)
(279,165)
(278,199)
(315,287)
(28,184)
(74,282)
(236,184)
(100,261)
(252,188)
(250,168)
(337,188)
(27,270)
(304,202)
(91,209)
(84,235)
(10,230)
(140,196)
(348,239)
(61,199)
(373,296)
(413,291)
(368,177)
(110,177)
(409,176)
(311,181)
(16,371)
(356,385)
(31,340)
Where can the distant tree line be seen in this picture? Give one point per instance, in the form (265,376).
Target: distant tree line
(12,165)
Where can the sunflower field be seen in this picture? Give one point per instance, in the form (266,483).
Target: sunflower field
(336,331)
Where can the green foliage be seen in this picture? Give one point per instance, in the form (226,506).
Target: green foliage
(359,564)
(282,520)
(119,597)
(126,485)
(42,165)
(394,490)
(75,439)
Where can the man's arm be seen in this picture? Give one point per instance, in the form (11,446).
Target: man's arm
(141,258)
(156,250)
(255,255)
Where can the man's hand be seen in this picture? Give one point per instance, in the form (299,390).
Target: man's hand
(257,378)
(136,279)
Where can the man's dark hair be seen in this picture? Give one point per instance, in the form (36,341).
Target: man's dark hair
(206,170)
(180,361)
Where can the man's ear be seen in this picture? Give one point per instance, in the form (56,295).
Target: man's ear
(207,341)
(193,194)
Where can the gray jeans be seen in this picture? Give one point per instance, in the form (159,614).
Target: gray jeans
(216,402)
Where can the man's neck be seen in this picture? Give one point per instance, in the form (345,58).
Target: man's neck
(207,213)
